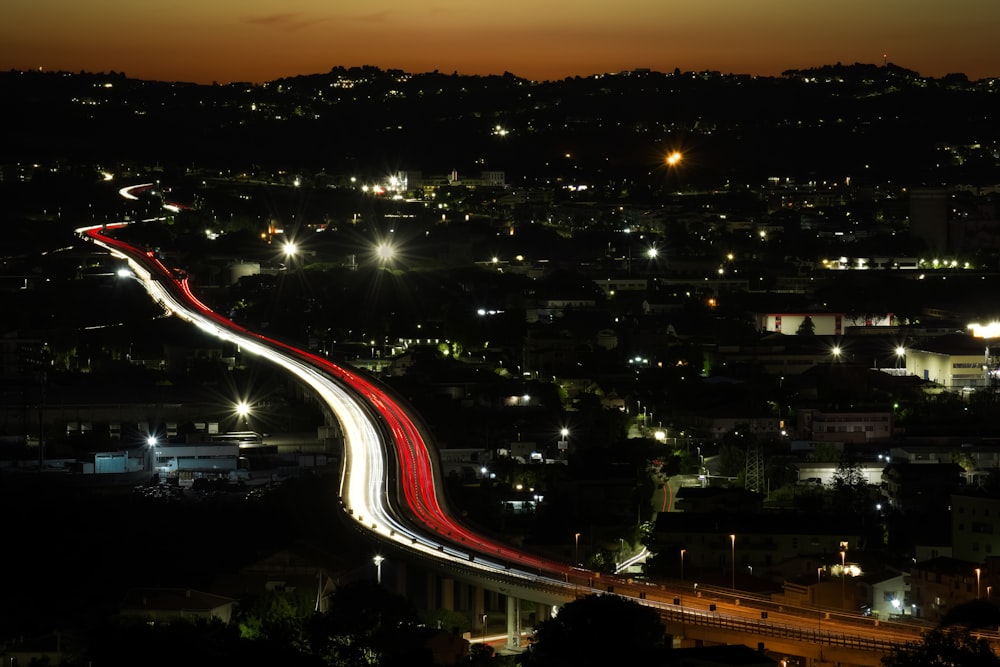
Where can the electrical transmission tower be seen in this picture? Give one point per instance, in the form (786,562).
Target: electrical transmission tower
(753,478)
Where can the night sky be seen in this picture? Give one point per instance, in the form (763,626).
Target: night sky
(260,40)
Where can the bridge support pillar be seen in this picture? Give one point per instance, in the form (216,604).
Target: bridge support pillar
(431,590)
(543,612)
(399,575)
(478,606)
(447,594)
(513,622)
(462,597)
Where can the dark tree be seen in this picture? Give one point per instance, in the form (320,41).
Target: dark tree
(974,615)
(851,491)
(598,630)
(807,328)
(363,625)
(945,648)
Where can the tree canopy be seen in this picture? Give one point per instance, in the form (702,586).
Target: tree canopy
(945,647)
(597,630)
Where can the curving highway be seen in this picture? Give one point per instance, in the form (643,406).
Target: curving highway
(389,479)
(383,444)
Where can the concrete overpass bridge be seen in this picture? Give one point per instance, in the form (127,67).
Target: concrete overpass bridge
(513,605)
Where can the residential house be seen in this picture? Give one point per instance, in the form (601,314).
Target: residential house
(159,605)
(939,585)
(300,569)
(920,487)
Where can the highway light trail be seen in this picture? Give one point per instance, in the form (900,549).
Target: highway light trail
(367,415)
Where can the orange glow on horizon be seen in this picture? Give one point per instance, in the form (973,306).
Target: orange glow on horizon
(262,40)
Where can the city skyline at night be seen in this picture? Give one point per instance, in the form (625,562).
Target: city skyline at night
(262,41)
(500,335)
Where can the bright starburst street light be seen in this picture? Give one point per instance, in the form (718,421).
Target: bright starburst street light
(385,252)
(289,248)
(673,158)
(243,408)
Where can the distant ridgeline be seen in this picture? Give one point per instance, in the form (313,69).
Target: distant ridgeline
(864,121)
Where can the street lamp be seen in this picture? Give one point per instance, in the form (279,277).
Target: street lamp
(576,549)
(673,158)
(978,573)
(151,442)
(843,573)
(378,569)
(900,353)
(242,412)
(732,540)
(683,551)
(835,351)
(819,574)
(385,252)
(484,628)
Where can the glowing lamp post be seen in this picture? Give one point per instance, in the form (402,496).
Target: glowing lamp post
(843,575)
(385,252)
(978,574)
(576,549)
(683,551)
(243,411)
(151,442)
(732,540)
(378,569)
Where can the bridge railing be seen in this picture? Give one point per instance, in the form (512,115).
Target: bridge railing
(770,629)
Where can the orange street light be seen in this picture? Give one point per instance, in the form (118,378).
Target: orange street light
(732,539)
